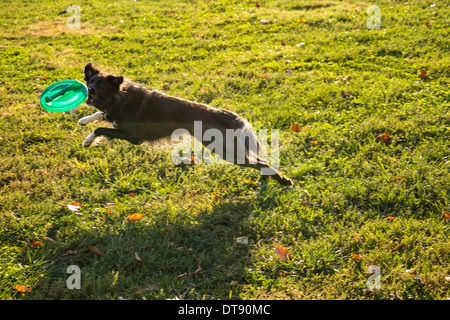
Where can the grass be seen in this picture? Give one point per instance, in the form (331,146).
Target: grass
(358,199)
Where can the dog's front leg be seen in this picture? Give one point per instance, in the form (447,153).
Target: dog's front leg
(98,116)
(110,134)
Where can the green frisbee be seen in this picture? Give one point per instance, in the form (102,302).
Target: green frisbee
(63,95)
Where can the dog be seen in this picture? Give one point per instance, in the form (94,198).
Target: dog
(139,115)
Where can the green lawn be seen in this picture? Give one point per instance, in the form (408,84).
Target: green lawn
(370,161)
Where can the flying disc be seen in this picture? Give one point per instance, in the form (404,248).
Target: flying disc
(63,95)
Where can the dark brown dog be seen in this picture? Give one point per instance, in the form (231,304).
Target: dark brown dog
(139,115)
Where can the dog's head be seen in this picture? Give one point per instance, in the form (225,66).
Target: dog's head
(100,88)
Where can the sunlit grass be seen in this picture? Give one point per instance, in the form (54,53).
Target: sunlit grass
(281,63)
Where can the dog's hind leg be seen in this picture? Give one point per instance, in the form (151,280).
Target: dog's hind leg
(110,134)
(268,171)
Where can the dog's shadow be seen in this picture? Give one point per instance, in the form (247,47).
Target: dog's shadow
(170,255)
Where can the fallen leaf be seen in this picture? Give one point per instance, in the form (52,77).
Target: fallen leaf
(357,257)
(194,159)
(49,240)
(74,207)
(95,250)
(138,260)
(423,74)
(139,291)
(384,137)
(242,240)
(346,79)
(135,216)
(296,127)
(199,268)
(22,289)
(283,273)
(169,231)
(282,252)
(357,238)
(181,276)
(153,287)
(347,95)
(36,244)
(69,253)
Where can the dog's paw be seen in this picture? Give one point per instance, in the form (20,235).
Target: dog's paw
(287,182)
(89,140)
(83,121)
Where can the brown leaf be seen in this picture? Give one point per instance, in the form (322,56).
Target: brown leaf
(345,94)
(199,267)
(383,137)
(139,291)
(138,260)
(181,276)
(282,252)
(49,240)
(69,253)
(357,238)
(283,273)
(95,250)
(153,287)
(423,74)
(296,127)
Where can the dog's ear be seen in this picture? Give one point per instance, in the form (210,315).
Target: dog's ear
(115,82)
(89,71)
